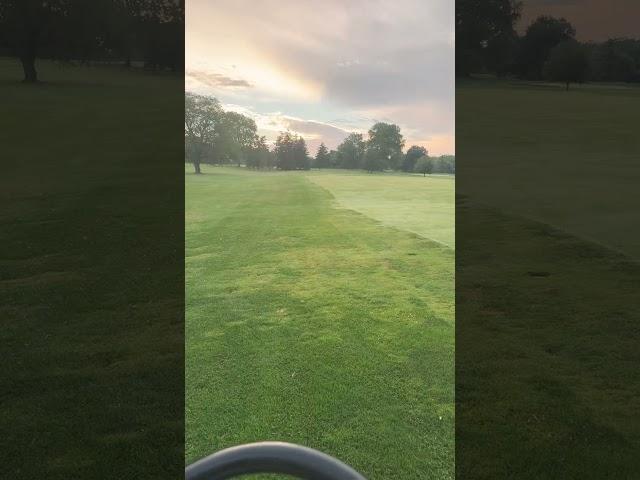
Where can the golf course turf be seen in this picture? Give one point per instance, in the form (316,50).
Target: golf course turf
(547,279)
(315,324)
(91,274)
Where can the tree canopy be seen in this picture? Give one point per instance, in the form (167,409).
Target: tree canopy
(350,153)
(384,147)
(567,63)
(424,165)
(538,41)
(486,42)
(291,152)
(412,156)
(483,25)
(202,119)
(322,159)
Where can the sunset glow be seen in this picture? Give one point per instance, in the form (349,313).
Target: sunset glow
(324,73)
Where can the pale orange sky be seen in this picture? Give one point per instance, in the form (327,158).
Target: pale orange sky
(324,69)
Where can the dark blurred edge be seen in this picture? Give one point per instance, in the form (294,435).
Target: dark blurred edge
(547,272)
(92,244)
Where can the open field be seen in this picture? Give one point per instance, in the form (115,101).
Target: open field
(316,325)
(92,335)
(547,279)
(564,149)
(408,202)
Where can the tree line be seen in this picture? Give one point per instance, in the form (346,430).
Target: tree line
(81,31)
(486,42)
(219,137)
(357,153)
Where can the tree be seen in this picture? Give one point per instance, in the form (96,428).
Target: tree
(384,147)
(291,152)
(424,165)
(445,164)
(202,115)
(334,159)
(259,156)
(484,33)
(539,39)
(567,63)
(237,134)
(322,157)
(613,61)
(27,26)
(410,158)
(374,161)
(350,152)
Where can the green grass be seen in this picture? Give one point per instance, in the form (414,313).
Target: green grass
(423,205)
(316,325)
(546,282)
(89,275)
(576,153)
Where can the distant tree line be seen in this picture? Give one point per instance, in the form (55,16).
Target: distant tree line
(217,137)
(486,42)
(124,31)
(382,151)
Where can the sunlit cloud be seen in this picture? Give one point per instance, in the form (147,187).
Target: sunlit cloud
(217,79)
(325,70)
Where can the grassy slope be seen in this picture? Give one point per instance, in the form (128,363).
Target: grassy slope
(547,325)
(412,203)
(91,326)
(315,325)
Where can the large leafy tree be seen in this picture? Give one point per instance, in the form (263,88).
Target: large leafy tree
(291,152)
(351,151)
(237,135)
(445,164)
(536,44)
(322,159)
(202,117)
(424,165)
(412,155)
(567,63)
(616,60)
(259,156)
(384,147)
(484,33)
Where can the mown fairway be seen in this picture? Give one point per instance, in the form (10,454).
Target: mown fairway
(423,205)
(316,325)
(576,153)
(547,282)
(90,279)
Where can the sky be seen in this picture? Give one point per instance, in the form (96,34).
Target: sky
(594,20)
(326,68)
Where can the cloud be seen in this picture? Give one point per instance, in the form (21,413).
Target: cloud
(339,67)
(217,79)
(316,132)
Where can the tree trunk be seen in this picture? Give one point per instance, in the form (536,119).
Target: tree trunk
(196,166)
(29,67)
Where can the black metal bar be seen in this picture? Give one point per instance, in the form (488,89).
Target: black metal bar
(270,457)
